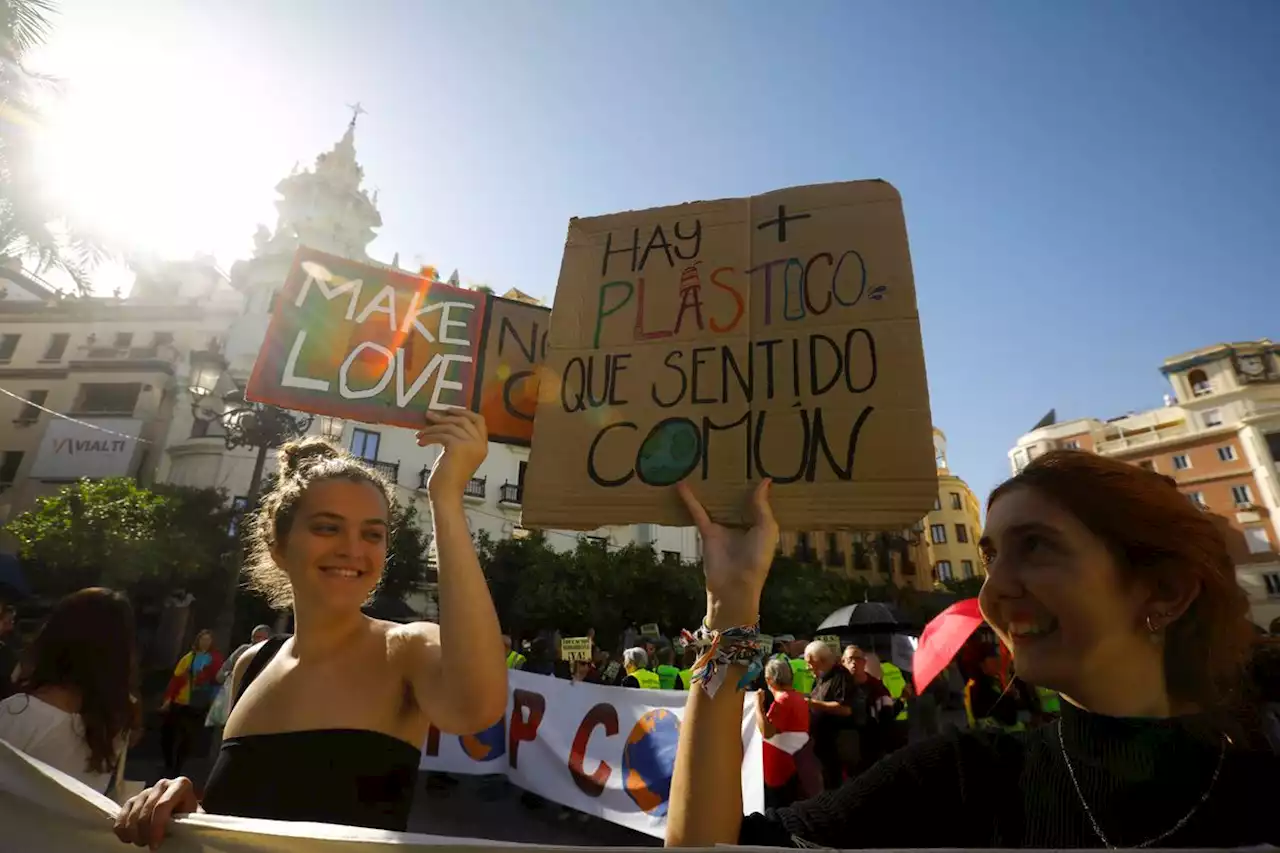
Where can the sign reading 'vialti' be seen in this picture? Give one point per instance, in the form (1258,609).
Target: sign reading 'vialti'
(723,342)
(377,345)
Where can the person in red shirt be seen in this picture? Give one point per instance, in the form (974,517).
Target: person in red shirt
(785,727)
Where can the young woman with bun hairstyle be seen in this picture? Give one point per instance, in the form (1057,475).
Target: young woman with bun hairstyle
(328,724)
(1110,587)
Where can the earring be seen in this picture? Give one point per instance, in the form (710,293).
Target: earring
(1152,627)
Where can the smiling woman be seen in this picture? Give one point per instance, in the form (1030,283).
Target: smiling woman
(327,725)
(1110,586)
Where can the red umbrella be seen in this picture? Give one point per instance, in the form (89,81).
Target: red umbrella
(942,639)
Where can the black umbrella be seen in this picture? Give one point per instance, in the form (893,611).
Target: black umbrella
(867,617)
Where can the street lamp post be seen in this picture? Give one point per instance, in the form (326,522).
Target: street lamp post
(243,424)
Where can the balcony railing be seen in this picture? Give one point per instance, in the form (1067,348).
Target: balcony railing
(1142,439)
(475,488)
(390,470)
(510,493)
(155,352)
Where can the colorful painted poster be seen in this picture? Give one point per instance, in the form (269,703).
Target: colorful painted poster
(377,345)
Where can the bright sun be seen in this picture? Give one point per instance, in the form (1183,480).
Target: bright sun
(147,148)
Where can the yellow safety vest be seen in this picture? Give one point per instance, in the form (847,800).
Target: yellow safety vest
(648,680)
(667,676)
(515,660)
(801,677)
(894,682)
(1050,702)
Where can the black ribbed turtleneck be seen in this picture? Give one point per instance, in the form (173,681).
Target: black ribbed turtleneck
(983,789)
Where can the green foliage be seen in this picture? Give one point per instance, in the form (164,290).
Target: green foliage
(406,569)
(114,533)
(32,226)
(535,587)
(963,587)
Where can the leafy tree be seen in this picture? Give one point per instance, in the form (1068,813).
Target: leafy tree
(406,569)
(32,228)
(963,587)
(535,587)
(114,533)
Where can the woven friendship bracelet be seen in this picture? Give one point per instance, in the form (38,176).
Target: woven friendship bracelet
(718,650)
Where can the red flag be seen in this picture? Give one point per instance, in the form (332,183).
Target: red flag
(942,639)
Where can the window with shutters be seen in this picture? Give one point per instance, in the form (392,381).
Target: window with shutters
(10,461)
(31,411)
(108,398)
(57,347)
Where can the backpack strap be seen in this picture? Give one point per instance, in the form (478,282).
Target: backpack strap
(260,660)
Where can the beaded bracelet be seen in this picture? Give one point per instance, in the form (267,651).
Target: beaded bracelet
(722,649)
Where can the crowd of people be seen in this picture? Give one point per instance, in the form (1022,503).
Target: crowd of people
(1105,588)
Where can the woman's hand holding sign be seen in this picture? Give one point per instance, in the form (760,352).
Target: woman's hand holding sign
(736,562)
(465,440)
(705,807)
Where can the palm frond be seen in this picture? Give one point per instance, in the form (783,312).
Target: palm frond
(24,24)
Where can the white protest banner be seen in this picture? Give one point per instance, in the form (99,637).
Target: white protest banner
(605,751)
(42,809)
(46,810)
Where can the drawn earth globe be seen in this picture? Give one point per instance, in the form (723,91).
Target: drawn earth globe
(486,745)
(649,759)
(669,453)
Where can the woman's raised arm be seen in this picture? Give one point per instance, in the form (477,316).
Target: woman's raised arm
(705,807)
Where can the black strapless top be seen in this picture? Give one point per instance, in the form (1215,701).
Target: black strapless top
(344,776)
(351,777)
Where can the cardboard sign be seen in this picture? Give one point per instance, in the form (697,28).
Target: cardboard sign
(575,649)
(373,344)
(832,641)
(650,631)
(724,342)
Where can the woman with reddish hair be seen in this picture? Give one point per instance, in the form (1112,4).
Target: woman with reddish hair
(1110,587)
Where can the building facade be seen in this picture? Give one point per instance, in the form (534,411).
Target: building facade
(119,371)
(1218,437)
(953,528)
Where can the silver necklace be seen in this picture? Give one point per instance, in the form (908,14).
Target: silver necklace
(1162,836)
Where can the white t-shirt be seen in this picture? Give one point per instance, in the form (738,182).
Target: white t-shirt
(51,735)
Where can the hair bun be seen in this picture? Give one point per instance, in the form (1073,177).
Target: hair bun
(297,455)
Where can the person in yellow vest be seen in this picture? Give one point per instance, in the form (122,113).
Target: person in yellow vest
(638,673)
(515,660)
(802,676)
(895,682)
(668,675)
(686,674)
(1050,706)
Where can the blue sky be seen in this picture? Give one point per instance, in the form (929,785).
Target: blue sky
(1090,187)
